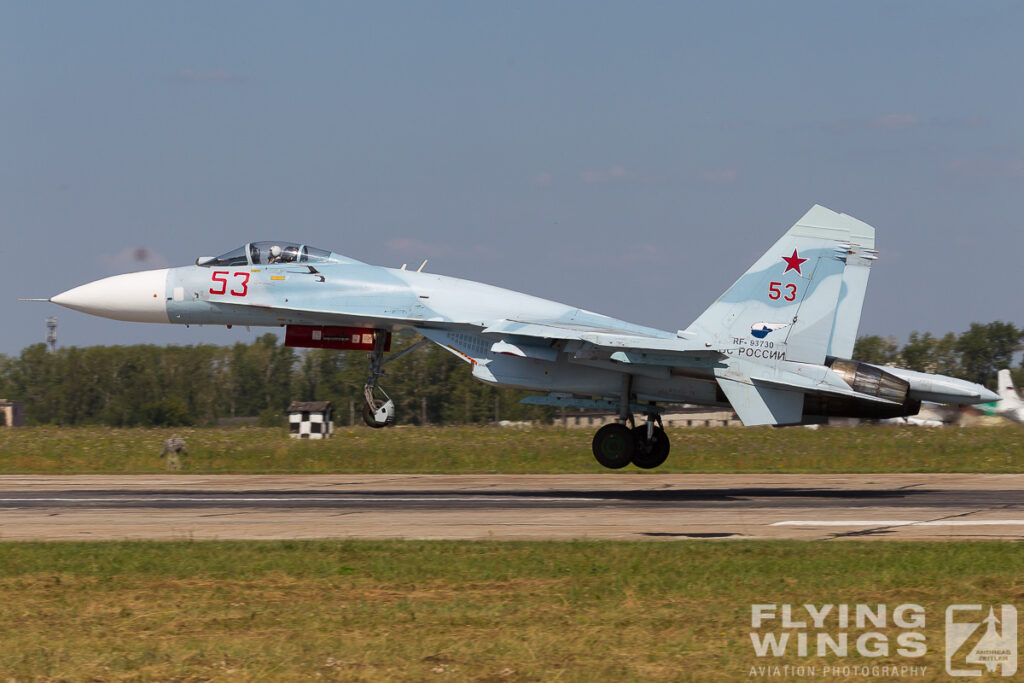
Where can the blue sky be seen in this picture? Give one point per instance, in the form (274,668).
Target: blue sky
(629,158)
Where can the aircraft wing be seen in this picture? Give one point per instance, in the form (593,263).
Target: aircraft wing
(575,330)
(588,336)
(625,344)
(618,340)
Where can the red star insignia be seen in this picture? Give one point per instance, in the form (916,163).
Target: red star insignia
(793,263)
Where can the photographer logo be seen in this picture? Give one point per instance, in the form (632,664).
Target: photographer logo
(978,640)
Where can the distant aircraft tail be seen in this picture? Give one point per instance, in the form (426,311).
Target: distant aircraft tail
(1010,399)
(802,299)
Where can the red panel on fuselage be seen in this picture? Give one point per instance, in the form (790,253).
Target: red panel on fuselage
(330,337)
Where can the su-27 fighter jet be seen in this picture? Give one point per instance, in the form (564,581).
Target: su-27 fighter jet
(775,347)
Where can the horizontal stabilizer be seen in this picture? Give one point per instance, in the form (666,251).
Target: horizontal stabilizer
(763,405)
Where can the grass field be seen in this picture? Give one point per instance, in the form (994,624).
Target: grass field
(483,611)
(364,610)
(489,449)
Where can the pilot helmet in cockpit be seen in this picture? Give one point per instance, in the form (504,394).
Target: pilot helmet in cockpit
(275,254)
(290,255)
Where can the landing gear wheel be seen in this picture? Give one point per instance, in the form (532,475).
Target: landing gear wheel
(368,418)
(650,454)
(614,446)
(382,414)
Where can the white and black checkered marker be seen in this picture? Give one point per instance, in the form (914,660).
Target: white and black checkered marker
(309,425)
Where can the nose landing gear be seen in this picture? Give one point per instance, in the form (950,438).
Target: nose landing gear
(379,413)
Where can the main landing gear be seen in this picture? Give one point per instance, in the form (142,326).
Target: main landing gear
(378,412)
(616,445)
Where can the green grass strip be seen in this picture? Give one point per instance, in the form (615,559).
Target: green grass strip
(494,450)
(415,610)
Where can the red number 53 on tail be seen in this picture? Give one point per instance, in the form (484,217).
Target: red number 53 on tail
(775,291)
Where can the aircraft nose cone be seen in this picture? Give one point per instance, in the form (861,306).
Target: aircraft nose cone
(135,297)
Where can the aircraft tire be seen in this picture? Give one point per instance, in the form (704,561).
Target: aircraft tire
(614,446)
(647,456)
(369,421)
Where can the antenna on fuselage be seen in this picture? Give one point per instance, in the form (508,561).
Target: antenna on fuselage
(420,269)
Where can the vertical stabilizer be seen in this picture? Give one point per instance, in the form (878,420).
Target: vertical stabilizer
(860,256)
(802,299)
(1007,392)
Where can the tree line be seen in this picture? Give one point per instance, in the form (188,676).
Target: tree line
(975,355)
(124,386)
(198,385)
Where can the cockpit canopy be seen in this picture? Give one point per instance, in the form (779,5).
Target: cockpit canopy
(270,252)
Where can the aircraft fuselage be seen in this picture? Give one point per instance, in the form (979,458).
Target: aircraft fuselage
(774,347)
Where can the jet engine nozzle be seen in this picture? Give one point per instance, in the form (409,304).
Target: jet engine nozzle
(867,379)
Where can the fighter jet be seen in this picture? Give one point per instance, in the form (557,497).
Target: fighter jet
(775,347)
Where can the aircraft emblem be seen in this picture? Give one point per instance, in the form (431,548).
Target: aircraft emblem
(762,330)
(793,263)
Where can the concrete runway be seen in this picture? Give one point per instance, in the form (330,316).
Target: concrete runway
(607,506)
